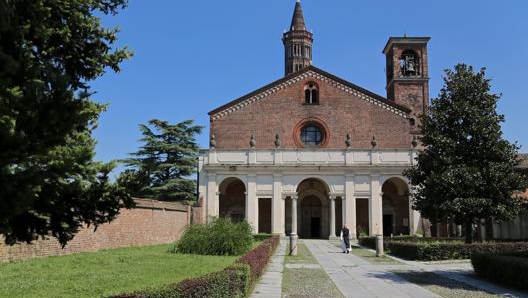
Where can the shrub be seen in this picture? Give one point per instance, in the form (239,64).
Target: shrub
(219,237)
(510,268)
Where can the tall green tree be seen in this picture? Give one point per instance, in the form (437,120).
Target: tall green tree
(162,167)
(49,53)
(466,171)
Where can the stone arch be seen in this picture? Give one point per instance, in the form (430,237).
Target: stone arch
(313,209)
(395,205)
(232,199)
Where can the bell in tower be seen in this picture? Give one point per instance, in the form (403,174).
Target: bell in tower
(407,74)
(409,64)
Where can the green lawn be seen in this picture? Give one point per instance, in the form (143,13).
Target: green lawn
(103,273)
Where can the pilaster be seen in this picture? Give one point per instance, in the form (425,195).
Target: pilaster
(213,203)
(251,202)
(278,207)
(375,207)
(350,206)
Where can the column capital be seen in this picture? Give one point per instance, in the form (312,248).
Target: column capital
(334,196)
(292,195)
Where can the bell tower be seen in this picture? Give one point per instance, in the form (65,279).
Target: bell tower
(407,71)
(297,43)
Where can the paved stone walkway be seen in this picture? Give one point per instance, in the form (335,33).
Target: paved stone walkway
(355,277)
(270,284)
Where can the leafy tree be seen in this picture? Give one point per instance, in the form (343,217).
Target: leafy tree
(49,52)
(466,170)
(163,164)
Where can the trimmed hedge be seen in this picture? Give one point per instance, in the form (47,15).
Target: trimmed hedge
(509,269)
(257,259)
(370,241)
(236,280)
(230,282)
(261,237)
(435,249)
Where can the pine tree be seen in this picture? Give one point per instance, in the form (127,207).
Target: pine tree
(163,165)
(49,53)
(466,171)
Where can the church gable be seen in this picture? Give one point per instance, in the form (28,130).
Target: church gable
(308,73)
(324,105)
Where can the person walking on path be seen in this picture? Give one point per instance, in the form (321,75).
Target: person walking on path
(345,239)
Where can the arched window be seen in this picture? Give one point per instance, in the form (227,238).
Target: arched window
(409,63)
(311,94)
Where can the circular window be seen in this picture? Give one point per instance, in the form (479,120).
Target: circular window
(310,132)
(311,135)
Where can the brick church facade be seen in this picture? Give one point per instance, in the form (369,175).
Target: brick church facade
(311,152)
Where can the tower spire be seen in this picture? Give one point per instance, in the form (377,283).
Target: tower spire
(297,22)
(297,43)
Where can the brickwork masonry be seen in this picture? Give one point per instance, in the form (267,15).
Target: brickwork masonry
(151,222)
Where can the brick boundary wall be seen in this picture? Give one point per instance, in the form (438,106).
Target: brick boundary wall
(150,222)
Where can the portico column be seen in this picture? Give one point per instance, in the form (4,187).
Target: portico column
(294,214)
(343,210)
(332,217)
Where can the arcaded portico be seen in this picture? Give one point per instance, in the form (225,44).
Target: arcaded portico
(312,193)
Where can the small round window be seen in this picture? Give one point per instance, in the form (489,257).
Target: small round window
(312,135)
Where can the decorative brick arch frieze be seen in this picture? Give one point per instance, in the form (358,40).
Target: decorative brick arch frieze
(308,75)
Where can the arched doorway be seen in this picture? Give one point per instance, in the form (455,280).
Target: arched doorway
(311,225)
(232,199)
(395,204)
(313,209)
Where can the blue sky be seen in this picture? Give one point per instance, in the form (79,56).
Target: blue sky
(191,57)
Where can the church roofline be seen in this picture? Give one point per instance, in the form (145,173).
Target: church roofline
(276,85)
(405,40)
